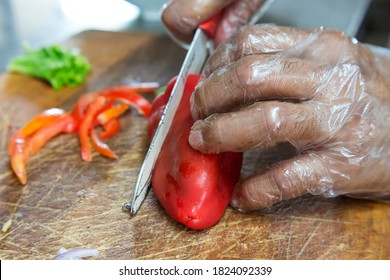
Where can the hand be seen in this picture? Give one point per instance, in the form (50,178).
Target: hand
(319,90)
(181,17)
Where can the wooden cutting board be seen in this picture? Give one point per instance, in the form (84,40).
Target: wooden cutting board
(72,204)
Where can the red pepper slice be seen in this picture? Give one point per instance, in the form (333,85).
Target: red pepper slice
(193,188)
(83,118)
(43,135)
(19,155)
(82,105)
(129,97)
(86,126)
(36,123)
(112,112)
(110,128)
(41,120)
(100,146)
(22,147)
(73,125)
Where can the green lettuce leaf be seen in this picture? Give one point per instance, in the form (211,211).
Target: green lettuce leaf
(58,66)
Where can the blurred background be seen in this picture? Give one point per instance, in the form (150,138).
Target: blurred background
(44,22)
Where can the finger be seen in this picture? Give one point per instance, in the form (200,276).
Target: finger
(264,124)
(286,180)
(255,78)
(255,39)
(236,15)
(181,17)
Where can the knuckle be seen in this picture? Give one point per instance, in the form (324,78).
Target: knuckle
(197,100)
(333,34)
(338,38)
(241,40)
(275,120)
(290,65)
(287,182)
(257,193)
(195,109)
(251,39)
(244,71)
(280,182)
(302,123)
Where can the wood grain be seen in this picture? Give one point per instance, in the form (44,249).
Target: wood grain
(69,203)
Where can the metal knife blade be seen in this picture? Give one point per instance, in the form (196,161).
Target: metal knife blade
(193,63)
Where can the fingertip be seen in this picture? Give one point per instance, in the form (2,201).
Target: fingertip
(249,196)
(182,17)
(283,181)
(178,26)
(236,201)
(196,139)
(197,101)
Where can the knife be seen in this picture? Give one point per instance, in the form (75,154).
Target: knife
(200,49)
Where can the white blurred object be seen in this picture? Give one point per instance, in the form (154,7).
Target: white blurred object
(150,9)
(102,14)
(75,254)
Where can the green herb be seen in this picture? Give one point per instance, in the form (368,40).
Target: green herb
(160,90)
(59,66)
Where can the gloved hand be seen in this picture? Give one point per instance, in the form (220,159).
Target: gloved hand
(182,17)
(319,90)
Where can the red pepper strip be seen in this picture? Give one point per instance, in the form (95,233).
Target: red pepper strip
(110,128)
(112,112)
(109,104)
(148,87)
(100,146)
(22,147)
(19,156)
(129,97)
(42,136)
(86,126)
(193,188)
(73,125)
(82,105)
(36,123)
(41,120)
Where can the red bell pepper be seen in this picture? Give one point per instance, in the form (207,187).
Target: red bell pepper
(194,188)
(158,106)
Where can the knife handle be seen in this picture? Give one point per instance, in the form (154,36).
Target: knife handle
(210,26)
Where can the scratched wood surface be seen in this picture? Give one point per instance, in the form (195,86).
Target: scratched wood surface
(69,203)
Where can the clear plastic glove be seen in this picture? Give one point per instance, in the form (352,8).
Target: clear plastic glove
(319,90)
(182,17)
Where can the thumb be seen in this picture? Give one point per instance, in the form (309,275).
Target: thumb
(236,15)
(182,17)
